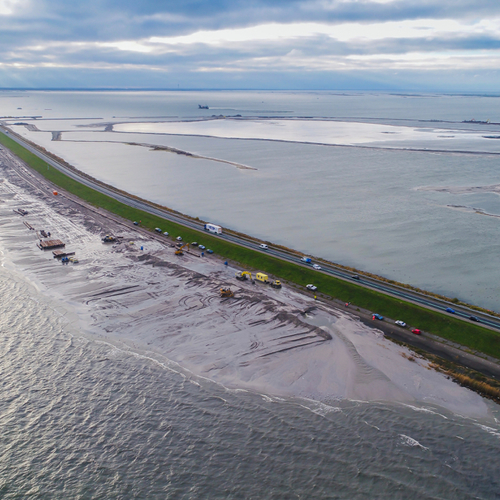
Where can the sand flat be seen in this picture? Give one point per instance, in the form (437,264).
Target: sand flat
(296,130)
(276,342)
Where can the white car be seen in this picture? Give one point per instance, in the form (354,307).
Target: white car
(312,287)
(165,233)
(316,267)
(400,323)
(179,238)
(264,246)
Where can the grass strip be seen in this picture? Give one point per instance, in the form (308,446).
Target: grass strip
(472,336)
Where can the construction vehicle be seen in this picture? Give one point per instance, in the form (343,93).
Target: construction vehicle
(263,278)
(226,292)
(243,275)
(179,250)
(276,284)
(108,239)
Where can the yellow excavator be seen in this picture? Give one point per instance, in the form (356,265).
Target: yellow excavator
(179,250)
(226,292)
(242,275)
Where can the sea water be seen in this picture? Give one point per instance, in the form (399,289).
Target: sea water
(83,418)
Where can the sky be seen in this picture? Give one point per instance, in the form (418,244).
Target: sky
(418,45)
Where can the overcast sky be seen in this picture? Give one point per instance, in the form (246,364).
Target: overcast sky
(444,45)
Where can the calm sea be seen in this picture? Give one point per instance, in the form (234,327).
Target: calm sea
(420,204)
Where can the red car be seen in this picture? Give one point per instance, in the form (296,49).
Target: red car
(416,331)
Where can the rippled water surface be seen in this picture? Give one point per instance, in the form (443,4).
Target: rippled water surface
(84,416)
(81,418)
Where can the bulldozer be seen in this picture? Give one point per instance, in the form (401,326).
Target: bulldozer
(276,284)
(179,250)
(244,275)
(108,239)
(226,292)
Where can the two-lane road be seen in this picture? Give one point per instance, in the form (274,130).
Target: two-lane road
(331,269)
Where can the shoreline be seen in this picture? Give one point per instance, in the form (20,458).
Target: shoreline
(264,340)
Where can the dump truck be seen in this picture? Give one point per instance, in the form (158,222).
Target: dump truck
(213,228)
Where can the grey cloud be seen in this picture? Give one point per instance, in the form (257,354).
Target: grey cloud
(123,19)
(53,24)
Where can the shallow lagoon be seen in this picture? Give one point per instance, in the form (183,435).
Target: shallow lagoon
(393,211)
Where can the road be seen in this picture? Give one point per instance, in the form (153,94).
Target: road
(331,269)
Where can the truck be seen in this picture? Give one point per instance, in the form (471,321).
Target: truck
(213,228)
(307,260)
(264,278)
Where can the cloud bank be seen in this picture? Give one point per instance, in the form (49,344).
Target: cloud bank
(290,44)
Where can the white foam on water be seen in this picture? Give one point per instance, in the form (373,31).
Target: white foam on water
(489,430)
(425,410)
(409,441)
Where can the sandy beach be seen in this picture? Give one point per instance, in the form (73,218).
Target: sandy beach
(140,296)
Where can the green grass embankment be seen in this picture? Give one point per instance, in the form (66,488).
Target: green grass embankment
(473,336)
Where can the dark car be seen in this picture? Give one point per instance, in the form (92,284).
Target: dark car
(194,244)
(416,331)
(450,310)
(474,318)
(355,277)
(209,251)
(136,223)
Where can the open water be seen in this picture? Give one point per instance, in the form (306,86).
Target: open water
(81,417)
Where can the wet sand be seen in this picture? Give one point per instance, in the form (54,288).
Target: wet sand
(281,343)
